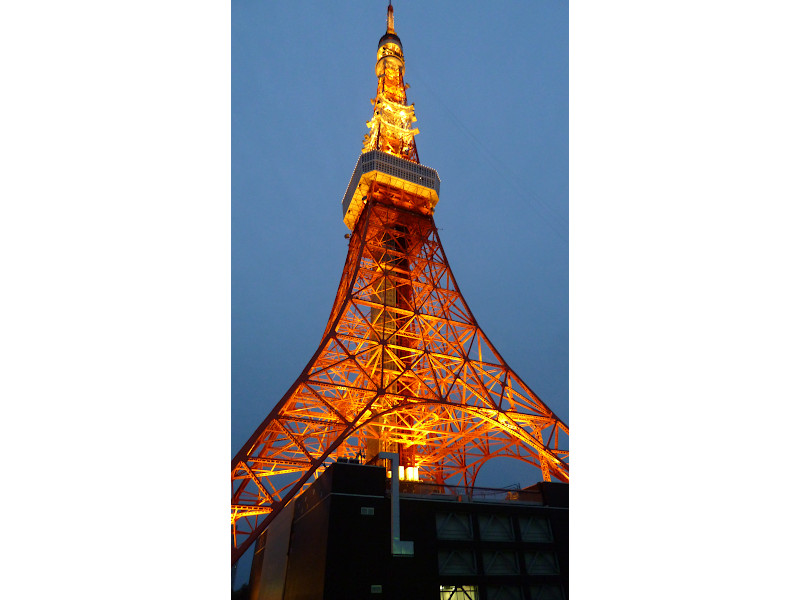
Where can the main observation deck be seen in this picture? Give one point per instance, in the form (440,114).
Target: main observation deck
(404,175)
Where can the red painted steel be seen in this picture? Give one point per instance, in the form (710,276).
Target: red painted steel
(402,367)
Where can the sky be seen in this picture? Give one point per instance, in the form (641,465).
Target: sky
(683,246)
(490,87)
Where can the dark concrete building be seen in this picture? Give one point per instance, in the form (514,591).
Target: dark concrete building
(335,542)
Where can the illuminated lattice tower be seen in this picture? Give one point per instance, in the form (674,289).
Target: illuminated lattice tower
(403,366)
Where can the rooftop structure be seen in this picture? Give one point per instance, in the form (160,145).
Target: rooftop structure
(462,543)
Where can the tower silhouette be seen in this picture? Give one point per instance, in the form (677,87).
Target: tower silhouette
(402,365)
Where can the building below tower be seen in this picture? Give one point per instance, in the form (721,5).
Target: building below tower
(334,542)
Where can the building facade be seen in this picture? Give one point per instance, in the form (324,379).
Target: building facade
(334,542)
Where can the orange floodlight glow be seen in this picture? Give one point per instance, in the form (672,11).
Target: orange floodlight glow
(403,366)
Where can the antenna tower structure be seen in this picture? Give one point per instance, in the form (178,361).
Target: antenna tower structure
(402,365)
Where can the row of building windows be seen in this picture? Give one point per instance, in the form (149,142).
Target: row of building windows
(497,528)
(541,591)
(403,169)
(498,562)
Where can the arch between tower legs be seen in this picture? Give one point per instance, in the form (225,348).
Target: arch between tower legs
(440,431)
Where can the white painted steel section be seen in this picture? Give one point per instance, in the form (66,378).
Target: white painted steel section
(399,548)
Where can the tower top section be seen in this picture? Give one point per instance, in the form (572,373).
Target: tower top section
(389,167)
(390,33)
(390,129)
(390,18)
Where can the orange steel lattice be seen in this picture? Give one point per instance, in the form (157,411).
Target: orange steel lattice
(390,127)
(402,366)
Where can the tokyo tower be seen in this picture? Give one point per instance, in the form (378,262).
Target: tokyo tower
(403,366)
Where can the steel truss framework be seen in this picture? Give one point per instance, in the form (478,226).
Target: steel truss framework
(402,366)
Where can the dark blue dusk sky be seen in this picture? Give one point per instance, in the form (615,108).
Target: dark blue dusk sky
(117,228)
(490,86)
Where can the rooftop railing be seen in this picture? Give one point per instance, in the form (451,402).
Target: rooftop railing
(459,493)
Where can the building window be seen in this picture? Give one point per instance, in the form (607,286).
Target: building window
(503,592)
(500,563)
(541,563)
(546,591)
(457,562)
(453,526)
(535,529)
(458,592)
(496,528)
